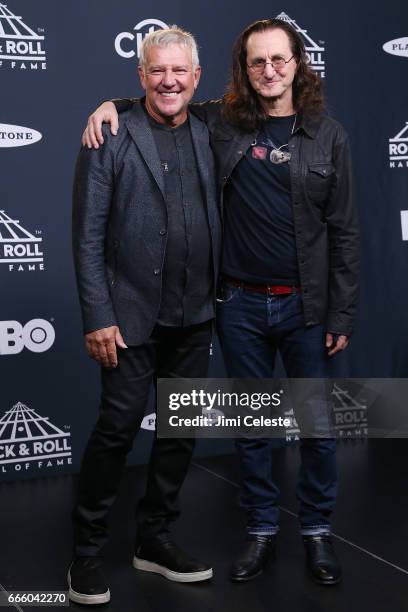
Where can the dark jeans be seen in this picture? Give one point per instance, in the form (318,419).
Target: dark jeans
(251,328)
(169,352)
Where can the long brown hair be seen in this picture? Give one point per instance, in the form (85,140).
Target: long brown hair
(241,103)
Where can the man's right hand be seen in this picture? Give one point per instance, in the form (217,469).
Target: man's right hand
(105,113)
(101,345)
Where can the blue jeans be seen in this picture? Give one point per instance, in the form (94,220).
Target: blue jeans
(251,328)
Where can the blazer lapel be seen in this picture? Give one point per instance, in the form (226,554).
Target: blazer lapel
(140,131)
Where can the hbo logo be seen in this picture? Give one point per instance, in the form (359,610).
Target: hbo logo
(36,335)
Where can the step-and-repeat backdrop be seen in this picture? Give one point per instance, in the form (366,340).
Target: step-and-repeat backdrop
(57,61)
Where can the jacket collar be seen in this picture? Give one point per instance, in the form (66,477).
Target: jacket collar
(308,123)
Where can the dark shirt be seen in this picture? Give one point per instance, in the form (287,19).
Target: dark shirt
(187,281)
(259,241)
(325,216)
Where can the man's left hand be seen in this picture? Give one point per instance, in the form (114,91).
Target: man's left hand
(336,343)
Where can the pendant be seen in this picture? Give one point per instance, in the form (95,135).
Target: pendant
(259,152)
(279,157)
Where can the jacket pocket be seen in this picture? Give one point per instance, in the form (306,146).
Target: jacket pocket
(319,179)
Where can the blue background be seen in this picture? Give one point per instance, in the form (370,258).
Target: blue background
(366,90)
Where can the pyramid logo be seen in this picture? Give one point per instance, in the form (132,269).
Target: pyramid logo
(350,416)
(28,439)
(19,249)
(398,149)
(20,47)
(314,51)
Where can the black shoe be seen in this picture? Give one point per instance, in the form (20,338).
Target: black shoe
(256,554)
(321,560)
(86,581)
(162,556)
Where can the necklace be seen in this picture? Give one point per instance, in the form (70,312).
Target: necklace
(280,157)
(277,156)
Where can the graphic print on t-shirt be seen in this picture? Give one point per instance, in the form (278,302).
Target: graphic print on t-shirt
(259,238)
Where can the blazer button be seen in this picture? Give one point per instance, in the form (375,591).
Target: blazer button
(156,271)
(162,232)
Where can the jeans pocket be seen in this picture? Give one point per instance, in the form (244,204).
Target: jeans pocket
(227,293)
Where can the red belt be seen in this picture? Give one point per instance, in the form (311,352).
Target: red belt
(268,289)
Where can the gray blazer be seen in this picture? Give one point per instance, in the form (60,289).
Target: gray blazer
(119,214)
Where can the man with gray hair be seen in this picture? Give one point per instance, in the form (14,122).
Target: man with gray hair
(146,241)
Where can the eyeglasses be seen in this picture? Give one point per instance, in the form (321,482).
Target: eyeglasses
(277,63)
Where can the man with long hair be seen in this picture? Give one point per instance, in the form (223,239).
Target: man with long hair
(289,270)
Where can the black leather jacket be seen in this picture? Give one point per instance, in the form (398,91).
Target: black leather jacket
(325,217)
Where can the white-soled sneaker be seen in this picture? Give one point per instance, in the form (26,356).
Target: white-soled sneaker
(86,581)
(162,556)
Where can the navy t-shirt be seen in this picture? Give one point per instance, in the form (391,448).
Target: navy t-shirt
(259,238)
